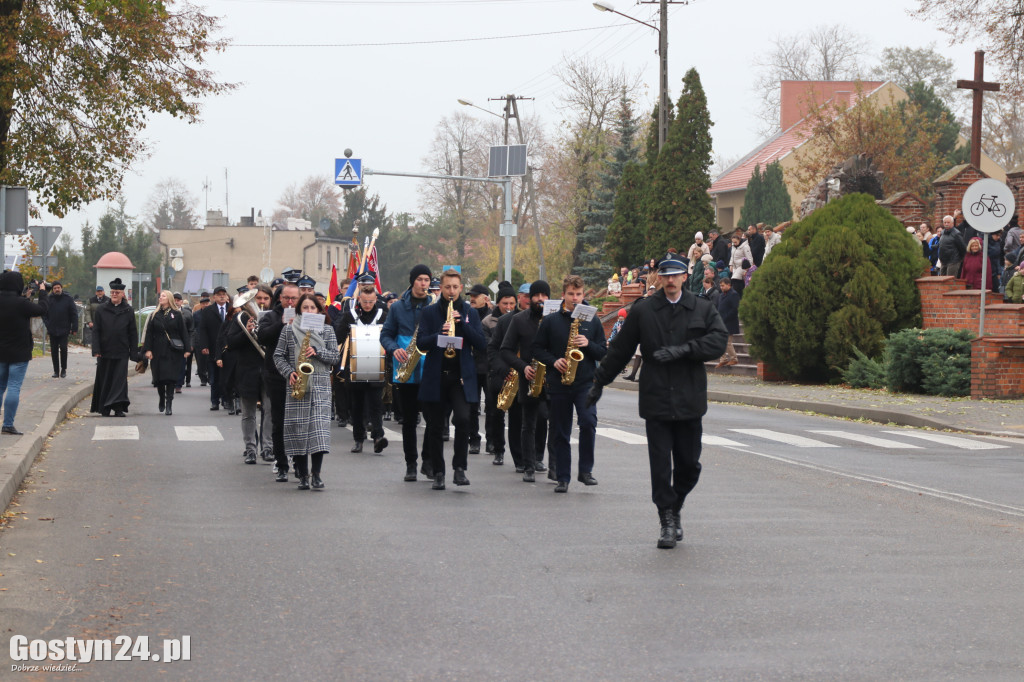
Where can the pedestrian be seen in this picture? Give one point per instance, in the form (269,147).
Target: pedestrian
(494,419)
(697,250)
(557,336)
(91,305)
(971,268)
(951,248)
(16,343)
(202,361)
(677,333)
(498,373)
(756,243)
(729,309)
(166,344)
(253,396)
(307,418)
(739,260)
(61,320)
(209,324)
(268,334)
(185,380)
(115,341)
(480,299)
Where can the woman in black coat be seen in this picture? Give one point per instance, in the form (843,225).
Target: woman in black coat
(15,343)
(166,344)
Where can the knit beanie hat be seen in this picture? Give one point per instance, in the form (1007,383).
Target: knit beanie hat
(540,287)
(418,270)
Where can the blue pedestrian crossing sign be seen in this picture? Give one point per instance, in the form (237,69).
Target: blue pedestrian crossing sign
(348,172)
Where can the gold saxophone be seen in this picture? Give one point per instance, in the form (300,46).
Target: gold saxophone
(537,385)
(573,355)
(449,352)
(303,368)
(406,368)
(508,392)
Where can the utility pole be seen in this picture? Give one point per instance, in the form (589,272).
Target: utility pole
(663,58)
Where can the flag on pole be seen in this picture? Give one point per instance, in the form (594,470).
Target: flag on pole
(332,289)
(373,266)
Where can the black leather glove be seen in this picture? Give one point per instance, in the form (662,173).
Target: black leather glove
(594,395)
(670,353)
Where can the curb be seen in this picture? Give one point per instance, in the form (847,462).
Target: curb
(13,473)
(874,414)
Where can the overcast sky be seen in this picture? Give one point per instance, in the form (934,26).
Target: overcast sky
(298,108)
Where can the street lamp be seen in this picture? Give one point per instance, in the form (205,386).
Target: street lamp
(468,103)
(604,6)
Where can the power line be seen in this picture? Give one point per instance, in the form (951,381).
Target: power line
(423,3)
(423,42)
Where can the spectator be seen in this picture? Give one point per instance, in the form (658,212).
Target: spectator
(709,287)
(61,320)
(756,243)
(614,287)
(91,305)
(771,238)
(932,251)
(737,271)
(995,257)
(15,343)
(699,268)
(719,246)
(1014,291)
(729,309)
(1009,270)
(970,270)
(1014,234)
(697,250)
(951,248)
(621,317)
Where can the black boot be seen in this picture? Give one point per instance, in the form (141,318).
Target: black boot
(438,481)
(169,399)
(667,539)
(677,521)
(160,406)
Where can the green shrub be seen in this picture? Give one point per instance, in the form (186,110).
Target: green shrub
(932,361)
(864,372)
(842,277)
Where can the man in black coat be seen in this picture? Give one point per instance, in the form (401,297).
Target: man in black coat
(729,308)
(952,248)
(517,353)
(115,341)
(268,333)
(61,320)
(91,305)
(365,396)
(248,379)
(549,347)
(209,324)
(756,243)
(719,246)
(677,333)
(498,372)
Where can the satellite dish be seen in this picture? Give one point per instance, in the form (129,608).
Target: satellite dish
(266,275)
(177,264)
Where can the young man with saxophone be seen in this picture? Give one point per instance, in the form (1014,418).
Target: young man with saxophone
(449,374)
(573,347)
(517,353)
(401,325)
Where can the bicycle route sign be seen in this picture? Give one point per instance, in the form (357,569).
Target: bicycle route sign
(988,205)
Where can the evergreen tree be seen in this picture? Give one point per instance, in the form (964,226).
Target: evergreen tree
(628,229)
(933,108)
(594,264)
(776,205)
(119,231)
(752,198)
(678,202)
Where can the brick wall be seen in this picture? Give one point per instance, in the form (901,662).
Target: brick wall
(997,368)
(949,194)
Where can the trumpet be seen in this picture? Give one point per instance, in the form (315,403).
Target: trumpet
(245,302)
(449,352)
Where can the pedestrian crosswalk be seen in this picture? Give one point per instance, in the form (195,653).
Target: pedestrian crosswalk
(907,439)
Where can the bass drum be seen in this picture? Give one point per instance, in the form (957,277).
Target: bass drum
(366,355)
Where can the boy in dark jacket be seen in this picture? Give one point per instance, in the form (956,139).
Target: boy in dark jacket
(729,309)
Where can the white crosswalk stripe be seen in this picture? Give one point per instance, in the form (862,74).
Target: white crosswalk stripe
(116,433)
(718,440)
(198,433)
(943,439)
(787,438)
(870,440)
(622,436)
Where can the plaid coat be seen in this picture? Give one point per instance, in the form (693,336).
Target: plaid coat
(307,422)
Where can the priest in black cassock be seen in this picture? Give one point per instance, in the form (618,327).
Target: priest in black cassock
(115,341)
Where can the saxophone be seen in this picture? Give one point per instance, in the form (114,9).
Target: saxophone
(537,385)
(449,352)
(303,368)
(508,392)
(406,369)
(573,355)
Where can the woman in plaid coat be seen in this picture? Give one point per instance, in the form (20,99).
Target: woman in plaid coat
(307,422)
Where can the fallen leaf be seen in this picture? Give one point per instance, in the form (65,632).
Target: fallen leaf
(39,561)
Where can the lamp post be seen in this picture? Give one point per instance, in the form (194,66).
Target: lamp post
(604,6)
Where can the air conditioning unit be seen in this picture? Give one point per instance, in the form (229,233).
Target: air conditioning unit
(177,253)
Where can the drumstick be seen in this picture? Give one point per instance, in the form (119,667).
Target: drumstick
(344,354)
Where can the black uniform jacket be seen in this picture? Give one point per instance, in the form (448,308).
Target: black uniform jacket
(517,346)
(115,335)
(676,390)
(551,340)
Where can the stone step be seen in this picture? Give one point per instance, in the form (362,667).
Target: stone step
(746,369)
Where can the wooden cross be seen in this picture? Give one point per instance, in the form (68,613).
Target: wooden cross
(978,85)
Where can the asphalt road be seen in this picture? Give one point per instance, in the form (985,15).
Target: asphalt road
(846,556)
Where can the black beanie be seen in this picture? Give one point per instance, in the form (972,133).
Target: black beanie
(540,287)
(418,270)
(505,291)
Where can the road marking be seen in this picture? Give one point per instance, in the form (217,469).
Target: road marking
(622,436)
(116,433)
(787,438)
(870,440)
(392,436)
(718,440)
(963,443)
(191,433)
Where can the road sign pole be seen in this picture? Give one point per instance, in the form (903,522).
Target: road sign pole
(986,282)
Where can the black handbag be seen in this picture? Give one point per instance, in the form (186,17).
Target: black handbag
(176,344)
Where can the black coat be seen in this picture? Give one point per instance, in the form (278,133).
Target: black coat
(756,244)
(15,328)
(550,343)
(268,334)
(472,334)
(166,363)
(951,246)
(676,390)
(480,354)
(114,333)
(61,316)
(496,365)
(729,309)
(517,345)
(244,361)
(720,250)
(208,327)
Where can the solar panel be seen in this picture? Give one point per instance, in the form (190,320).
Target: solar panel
(498,166)
(507,160)
(517,159)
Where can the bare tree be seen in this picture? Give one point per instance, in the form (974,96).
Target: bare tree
(1003,132)
(825,53)
(170,206)
(314,199)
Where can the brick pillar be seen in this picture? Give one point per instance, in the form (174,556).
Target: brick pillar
(949,192)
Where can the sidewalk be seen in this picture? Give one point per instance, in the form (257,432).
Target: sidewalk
(982,417)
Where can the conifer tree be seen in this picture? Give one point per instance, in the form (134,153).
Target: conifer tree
(776,205)
(678,203)
(626,234)
(751,211)
(594,264)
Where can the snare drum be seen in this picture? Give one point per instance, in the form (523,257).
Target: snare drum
(366,355)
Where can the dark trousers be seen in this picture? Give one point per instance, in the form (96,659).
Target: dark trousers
(59,352)
(737,286)
(301,464)
(474,411)
(215,387)
(453,397)
(340,390)
(535,428)
(674,450)
(408,399)
(277,390)
(186,372)
(366,407)
(202,368)
(494,420)
(562,405)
